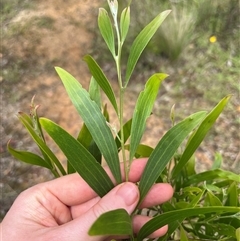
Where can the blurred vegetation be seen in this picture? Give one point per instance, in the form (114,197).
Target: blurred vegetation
(198,45)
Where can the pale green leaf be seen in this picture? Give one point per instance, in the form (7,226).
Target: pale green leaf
(94,120)
(212,200)
(183,235)
(80,158)
(199,135)
(172,216)
(106,29)
(211,175)
(124,23)
(94,92)
(141,42)
(232,195)
(101,79)
(165,150)
(143,110)
(116,222)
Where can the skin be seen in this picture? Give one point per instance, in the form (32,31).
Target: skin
(65,208)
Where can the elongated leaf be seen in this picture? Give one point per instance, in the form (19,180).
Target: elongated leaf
(94,121)
(141,42)
(116,222)
(212,200)
(165,150)
(105,26)
(25,119)
(102,80)
(80,158)
(172,216)
(143,110)
(183,235)
(94,92)
(211,175)
(28,157)
(232,195)
(124,23)
(199,135)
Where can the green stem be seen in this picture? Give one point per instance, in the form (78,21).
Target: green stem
(122,92)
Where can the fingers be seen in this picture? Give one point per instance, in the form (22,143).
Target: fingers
(158,194)
(125,195)
(73,190)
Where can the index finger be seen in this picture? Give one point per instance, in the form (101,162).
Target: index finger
(73,190)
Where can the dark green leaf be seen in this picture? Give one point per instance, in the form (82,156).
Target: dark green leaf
(200,134)
(105,26)
(80,158)
(116,222)
(70,168)
(143,110)
(28,157)
(172,216)
(94,120)
(101,79)
(84,136)
(165,150)
(141,42)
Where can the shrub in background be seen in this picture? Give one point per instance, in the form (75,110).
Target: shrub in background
(204,206)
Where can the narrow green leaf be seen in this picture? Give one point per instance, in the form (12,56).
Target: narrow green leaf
(124,23)
(116,222)
(102,80)
(84,136)
(94,92)
(143,110)
(211,175)
(172,216)
(199,135)
(94,120)
(183,235)
(217,161)
(232,195)
(142,40)
(165,150)
(70,168)
(80,158)
(212,200)
(25,119)
(28,157)
(106,29)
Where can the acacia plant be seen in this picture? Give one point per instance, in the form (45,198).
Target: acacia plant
(204,206)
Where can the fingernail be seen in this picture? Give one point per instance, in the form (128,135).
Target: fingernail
(129,192)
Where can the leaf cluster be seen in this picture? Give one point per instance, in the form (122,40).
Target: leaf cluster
(205,205)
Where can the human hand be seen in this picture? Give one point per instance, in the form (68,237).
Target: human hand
(65,208)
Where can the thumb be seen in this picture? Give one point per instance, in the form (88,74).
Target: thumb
(125,195)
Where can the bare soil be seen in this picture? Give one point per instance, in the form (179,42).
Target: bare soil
(38,48)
